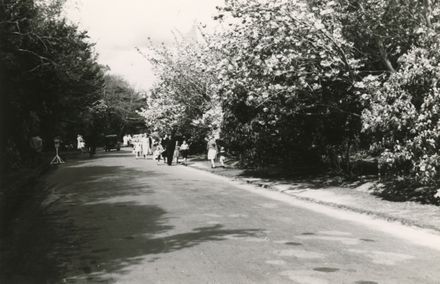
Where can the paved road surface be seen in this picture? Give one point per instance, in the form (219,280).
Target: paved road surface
(114,219)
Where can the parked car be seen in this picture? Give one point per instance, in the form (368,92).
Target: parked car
(112,142)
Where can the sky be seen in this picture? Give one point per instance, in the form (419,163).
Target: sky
(119,26)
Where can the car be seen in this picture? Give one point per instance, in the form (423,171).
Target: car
(112,142)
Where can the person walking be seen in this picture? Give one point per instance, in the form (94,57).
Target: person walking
(145,145)
(150,142)
(176,152)
(212,151)
(80,143)
(129,140)
(138,149)
(164,143)
(91,143)
(171,146)
(158,153)
(184,149)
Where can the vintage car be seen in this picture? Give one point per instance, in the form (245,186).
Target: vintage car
(112,142)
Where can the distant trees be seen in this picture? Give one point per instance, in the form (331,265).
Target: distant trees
(49,75)
(122,102)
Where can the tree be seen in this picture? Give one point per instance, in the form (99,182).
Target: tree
(49,75)
(286,82)
(401,112)
(381,31)
(184,98)
(403,115)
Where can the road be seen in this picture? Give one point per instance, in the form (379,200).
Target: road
(115,219)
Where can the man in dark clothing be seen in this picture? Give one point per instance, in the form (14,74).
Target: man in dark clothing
(91,141)
(150,142)
(171,146)
(164,143)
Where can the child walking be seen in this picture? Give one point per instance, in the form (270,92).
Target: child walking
(222,156)
(158,153)
(138,149)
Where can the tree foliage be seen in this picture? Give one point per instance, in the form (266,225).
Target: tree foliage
(313,81)
(285,81)
(49,75)
(381,31)
(403,115)
(184,99)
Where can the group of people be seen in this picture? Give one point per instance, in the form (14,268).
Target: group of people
(142,145)
(166,149)
(127,140)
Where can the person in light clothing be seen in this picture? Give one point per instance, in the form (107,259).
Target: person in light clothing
(125,140)
(176,152)
(184,149)
(138,149)
(145,145)
(158,152)
(80,143)
(212,151)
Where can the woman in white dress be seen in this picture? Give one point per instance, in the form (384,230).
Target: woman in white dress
(212,151)
(176,153)
(145,145)
(80,142)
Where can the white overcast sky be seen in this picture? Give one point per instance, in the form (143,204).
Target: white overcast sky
(118,26)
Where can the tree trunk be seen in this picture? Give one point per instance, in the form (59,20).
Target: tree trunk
(428,12)
(384,56)
(347,158)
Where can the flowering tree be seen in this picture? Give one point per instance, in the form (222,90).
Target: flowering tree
(184,98)
(382,31)
(284,80)
(401,114)
(404,116)
(296,81)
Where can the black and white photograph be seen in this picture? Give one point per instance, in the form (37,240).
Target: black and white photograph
(220,141)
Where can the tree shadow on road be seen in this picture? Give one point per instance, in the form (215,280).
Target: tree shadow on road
(96,225)
(142,247)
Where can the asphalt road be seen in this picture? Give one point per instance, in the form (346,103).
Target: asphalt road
(115,219)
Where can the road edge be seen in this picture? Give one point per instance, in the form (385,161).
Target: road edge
(378,215)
